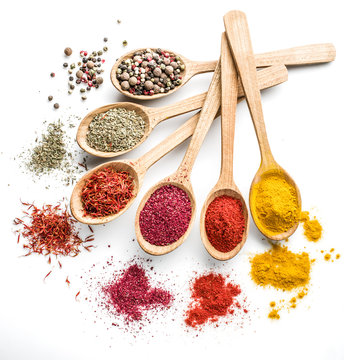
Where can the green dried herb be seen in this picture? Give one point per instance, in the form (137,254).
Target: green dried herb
(115,130)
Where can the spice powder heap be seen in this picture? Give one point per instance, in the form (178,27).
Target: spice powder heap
(115,130)
(131,294)
(274,203)
(50,230)
(281,268)
(212,298)
(312,228)
(165,216)
(106,192)
(225,223)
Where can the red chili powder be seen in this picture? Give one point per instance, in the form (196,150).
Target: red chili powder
(131,294)
(107,192)
(225,223)
(212,298)
(166,215)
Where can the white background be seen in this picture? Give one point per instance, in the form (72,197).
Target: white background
(304,120)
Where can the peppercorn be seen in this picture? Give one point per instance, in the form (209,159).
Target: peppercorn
(84,97)
(65,65)
(79,74)
(119,21)
(125,42)
(105,39)
(52,74)
(50,97)
(70,71)
(99,80)
(105,48)
(56,105)
(68,51)
(71,78)
(78,81)
(72,66)
(82,90)
(90,64)
(100,52)
(88,88)
(72,87)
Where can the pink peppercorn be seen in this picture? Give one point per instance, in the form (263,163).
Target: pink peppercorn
(103,61)
(165,216)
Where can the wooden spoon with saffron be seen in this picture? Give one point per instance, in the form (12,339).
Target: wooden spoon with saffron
(225,184)
(137,168)
(151,116)
(241,47)
(300,55)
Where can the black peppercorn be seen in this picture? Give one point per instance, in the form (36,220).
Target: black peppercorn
(71,78)
(78,81)
(65,65)
(56,105)
(105,39)
(50,97)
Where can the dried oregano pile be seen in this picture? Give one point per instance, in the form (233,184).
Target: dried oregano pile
(54,151)
(115,130)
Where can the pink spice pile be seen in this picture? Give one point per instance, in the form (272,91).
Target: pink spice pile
(131,294)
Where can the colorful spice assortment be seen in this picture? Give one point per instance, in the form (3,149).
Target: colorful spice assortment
(312,228)
(106,192)
(165,216)
(275,204)
(50,230)
(130,294)
(115,130)
(281,268)
(150,72)
(225,223)
(212,298)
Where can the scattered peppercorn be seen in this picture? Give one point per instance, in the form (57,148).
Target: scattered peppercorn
(119,21)
(106,39)
(105,48)
(50,97)
(65,65)
(83,97)
(125,42)
(56,105)
(52,74)
(68,51)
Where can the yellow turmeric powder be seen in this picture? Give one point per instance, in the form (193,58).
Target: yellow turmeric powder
(274,203)
(312,228)
(273,314)
(281,268)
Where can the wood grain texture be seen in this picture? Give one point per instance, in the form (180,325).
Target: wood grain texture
(225,184)
(240,43)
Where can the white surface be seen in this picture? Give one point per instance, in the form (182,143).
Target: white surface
(304,120)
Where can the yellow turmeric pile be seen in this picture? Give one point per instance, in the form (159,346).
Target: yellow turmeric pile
(312,228)
(274,203)
(281,268)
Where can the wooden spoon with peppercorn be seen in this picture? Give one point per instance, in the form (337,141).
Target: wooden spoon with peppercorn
(162,72)
(137,169)
(225,185)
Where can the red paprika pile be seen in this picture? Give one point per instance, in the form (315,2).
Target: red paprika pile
(212,298)
(225,223)
(107,192)
(131,294)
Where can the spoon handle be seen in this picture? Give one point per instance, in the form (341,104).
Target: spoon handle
(181,107)
(229,94)
(268,77)
(241,47)
(200,67)
(300,55)
(210,108)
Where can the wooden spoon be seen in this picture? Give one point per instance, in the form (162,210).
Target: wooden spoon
(181,178)
(225,184)
(301,55)
(268,77)
(241,47)
(151,116)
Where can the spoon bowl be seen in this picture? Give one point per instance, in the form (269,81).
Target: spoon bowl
(159,249)
(215,193)
(77,206)
(263,172)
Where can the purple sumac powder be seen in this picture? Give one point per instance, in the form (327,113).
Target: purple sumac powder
(131,294)
(165,216)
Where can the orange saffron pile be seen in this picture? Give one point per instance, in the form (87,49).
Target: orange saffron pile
(107,192)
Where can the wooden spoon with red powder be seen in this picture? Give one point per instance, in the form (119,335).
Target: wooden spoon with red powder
(224,216)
